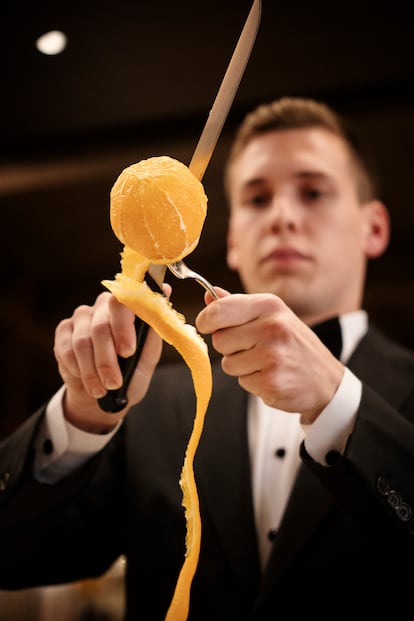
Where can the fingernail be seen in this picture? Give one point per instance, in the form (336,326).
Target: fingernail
(111,383)
(126,351)
(97,393)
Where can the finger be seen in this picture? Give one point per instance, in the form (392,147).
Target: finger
(84,349)
(111,329)
(114,331)
(63,349)
(122,326)
(229,341)
(208,298)
(218,315)
(237,309)
(241,364)
(260,383)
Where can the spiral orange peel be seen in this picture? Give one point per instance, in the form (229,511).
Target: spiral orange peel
(174,190)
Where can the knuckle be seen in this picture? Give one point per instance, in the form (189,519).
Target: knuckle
(104,369)
(90,379)
(82,344)
(63,325)
(214,314)
(82,310)
(64,354)
(100,329)
(271,303)
(103,297)
(274,329)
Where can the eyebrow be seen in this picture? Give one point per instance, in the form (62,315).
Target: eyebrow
(301,174)
(313,174)
(253,182)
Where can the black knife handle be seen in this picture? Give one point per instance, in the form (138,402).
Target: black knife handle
(116,400)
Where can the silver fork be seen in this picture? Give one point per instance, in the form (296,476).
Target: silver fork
(181,270)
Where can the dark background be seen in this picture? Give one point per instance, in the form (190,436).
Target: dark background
(137,79)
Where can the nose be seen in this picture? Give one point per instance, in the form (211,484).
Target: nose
(282,215)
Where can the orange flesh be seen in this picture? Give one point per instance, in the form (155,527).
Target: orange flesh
(158,208)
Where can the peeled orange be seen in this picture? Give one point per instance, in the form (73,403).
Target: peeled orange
(158,209)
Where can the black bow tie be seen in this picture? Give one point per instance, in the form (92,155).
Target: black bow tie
(330,334)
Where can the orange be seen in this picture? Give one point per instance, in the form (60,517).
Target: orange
(158,209)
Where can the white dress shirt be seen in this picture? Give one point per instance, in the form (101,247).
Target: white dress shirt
(274,439)
(275,436)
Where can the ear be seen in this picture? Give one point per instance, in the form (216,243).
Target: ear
(378,228)
(232,251)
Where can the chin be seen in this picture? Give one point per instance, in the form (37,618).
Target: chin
(288,288)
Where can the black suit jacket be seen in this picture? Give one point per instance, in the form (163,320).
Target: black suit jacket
(344,548)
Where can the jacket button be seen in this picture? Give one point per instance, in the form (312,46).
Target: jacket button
(404,512)
(383,486)
(394,499)
(271,535)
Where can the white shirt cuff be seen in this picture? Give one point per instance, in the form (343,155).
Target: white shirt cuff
(61,447)
(331,430)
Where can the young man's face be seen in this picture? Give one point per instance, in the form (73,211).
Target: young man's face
(297,227)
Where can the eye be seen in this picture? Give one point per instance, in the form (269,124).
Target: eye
(313,194)
(256,200)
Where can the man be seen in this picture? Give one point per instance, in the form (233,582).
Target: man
(306,463)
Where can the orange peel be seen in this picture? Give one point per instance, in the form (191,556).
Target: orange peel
(156,310)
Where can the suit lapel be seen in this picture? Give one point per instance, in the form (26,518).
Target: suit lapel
(224,478)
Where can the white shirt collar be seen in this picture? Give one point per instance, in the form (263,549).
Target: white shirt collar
(353,327)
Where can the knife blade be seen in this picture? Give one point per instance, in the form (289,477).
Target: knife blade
(116,400)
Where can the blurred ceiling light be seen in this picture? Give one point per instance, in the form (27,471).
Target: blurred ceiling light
(53,42)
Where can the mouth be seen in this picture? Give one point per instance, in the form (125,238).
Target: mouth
(286,257)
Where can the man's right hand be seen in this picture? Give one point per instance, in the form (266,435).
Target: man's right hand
(86,348)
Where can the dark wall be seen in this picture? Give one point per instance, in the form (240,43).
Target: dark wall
(68,130)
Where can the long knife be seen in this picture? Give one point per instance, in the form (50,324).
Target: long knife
(116,400)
